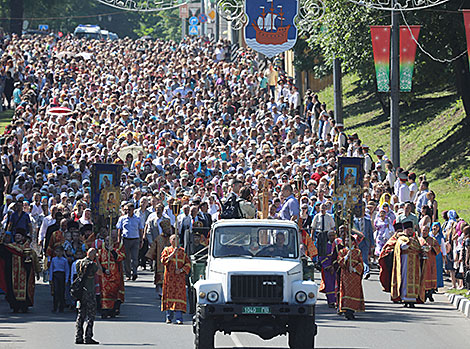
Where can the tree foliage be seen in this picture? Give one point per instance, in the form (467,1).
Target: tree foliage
(347,36)
(65,15)
(163,24)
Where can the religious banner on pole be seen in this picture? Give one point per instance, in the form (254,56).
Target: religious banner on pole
(408,43)
(381,47)
(466,19)
(270,28)
(348,190)
(105,193)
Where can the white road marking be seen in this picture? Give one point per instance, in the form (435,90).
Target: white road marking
(236,340)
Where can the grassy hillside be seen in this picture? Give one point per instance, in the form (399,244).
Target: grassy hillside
(5,119)
(432,138)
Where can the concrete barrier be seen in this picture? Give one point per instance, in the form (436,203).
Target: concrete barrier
(460,302)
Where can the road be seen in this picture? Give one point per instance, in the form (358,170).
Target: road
(141,324)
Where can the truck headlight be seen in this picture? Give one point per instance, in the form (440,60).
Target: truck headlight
(213,296)
(301,297)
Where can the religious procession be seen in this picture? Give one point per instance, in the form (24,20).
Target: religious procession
(149,178)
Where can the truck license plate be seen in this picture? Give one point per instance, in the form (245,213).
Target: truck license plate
(256,310)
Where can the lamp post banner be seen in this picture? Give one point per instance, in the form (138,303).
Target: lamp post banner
(270,27)
(407,55)
(466,19)
(381,46)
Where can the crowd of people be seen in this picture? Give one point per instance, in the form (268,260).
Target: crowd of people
(215,135)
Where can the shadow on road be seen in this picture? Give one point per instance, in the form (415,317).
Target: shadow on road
(141,305)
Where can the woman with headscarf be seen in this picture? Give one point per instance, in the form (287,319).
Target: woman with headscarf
(437,234)
(85,218)
(457,242)
(385,198)
(383,230)
(450,227)
(389,212)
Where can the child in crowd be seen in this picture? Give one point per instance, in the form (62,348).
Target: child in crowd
(58,274)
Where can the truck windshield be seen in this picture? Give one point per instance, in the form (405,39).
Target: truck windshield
(88,35)
(272,242)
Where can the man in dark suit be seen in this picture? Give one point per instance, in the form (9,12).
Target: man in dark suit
(364,225)
(204,217)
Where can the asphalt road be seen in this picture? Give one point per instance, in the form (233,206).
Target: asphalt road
(141,324)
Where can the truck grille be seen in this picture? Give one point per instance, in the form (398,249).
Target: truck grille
(256,288)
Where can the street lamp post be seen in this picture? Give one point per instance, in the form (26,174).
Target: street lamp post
(395,7)
(395,90)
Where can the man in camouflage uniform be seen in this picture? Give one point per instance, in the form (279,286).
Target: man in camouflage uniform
(87,305)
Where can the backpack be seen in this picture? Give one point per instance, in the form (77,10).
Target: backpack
(78,284)
(231,209)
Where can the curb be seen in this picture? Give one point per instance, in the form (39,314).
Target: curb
(460,302)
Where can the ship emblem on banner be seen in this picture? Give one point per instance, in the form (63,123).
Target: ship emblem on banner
(270,27)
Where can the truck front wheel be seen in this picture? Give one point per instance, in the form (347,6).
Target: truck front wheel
(204,332)
(192,299)
(302,334)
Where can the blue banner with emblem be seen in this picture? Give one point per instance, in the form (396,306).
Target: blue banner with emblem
(270,27)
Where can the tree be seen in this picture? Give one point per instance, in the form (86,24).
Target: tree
(65,15)
(162,24)
(16,15)
(347,36)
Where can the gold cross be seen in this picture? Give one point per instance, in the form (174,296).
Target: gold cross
(348,194)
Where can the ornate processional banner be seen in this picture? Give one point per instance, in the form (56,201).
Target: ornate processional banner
(105,193)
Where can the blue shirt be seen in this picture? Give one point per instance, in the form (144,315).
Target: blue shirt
(130,226)
(422,200)
(289,208)
(20,221)
(59,264)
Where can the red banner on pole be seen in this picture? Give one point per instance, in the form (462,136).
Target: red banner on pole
(381,46)
(408,43)
(466,19)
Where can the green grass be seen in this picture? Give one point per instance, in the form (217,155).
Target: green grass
(433,138)
(5,119)
(463,292)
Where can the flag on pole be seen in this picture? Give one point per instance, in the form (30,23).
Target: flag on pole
(466,19)
(381,46)
(408,43)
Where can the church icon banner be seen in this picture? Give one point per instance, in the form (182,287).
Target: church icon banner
(105,193)
(270,28)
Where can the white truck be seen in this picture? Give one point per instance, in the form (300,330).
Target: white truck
(253,281)
(88,31)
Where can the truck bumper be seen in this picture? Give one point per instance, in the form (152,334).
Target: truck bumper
(229,318)
(275,310)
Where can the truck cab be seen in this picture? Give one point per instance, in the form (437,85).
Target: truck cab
(88,31)
(254,282)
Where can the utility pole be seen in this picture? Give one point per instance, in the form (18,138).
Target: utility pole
(203,25)
(338,90)
(395,90)
(183,28)
(217,26)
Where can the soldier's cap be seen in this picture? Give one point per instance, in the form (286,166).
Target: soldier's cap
(407,225)
(234,181)
(398,226)
(403,175)
(379,152)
